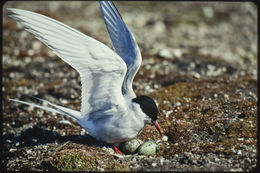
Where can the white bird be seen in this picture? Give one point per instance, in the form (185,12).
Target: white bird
(110,110)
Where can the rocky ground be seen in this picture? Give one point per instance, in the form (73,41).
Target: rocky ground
(199,64)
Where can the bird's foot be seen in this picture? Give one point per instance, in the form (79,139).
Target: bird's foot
(117,150)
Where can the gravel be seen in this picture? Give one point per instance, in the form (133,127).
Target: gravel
(199,64)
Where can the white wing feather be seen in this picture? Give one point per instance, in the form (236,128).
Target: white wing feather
(123,42)
(101,70)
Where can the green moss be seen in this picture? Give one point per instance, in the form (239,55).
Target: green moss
(78,157)
(70,160)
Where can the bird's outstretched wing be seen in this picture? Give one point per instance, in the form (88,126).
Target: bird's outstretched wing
(123,42)
(101,70)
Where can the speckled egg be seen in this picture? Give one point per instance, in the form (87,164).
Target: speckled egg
(148,148)
(131,146)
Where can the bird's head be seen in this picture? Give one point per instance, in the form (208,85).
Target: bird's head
(149,107)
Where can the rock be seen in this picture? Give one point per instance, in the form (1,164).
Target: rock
(165,138)
(131,146)
(177,53)
(208,12)
(65,122)
(176,104)
(154,164)
(148,148)
(165,53)
(196,75)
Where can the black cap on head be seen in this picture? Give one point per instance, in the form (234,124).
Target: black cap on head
(147,105)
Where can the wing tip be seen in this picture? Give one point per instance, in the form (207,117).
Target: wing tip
(13,10)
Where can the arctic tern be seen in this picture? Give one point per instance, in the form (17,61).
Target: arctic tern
(110,110)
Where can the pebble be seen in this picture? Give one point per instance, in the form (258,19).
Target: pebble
(28,151)
(8,141)
(208,12)
(148,148)
(226,96)
(161,161)
(192,65)
(165,53)
(239,152)
(216,159)
(167,113)
(65,122)
(196,75)
(176,104)
(12,150)
(30,52)
(165,138)
(177,53)
(131,146)
(82,132)
(36,45)
(63,101)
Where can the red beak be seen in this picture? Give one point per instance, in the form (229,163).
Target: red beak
(155,123)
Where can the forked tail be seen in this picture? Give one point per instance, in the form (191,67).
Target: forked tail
(56,108)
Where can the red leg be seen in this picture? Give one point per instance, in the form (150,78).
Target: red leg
(117,150)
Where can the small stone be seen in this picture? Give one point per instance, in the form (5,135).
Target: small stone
(156,86)
(165,53)
(239,152)
(34,140)
(226,96)
(12,150)
(159,27)
(30,52)
(216,159)
(208,12)
(154,164)
(65,122)
(167,113)
(16,52)
(176,104)
(36,45)
(148,148)
(196,75)
(27,60)
(131,146)
(177,53)
(8,141)
(28,151)
(161,161)
(82,132)
(63,101)
(165,138)
(192,65)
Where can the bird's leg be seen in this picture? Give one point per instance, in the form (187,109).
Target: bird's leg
(117,150)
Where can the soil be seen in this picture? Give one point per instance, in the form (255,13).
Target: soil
(199,64)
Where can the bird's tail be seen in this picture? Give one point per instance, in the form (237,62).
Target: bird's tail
(56,108)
